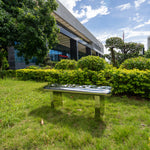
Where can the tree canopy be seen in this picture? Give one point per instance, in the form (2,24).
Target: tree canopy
(111,43)
(29,26)
(114,42)
(121,51)
(147,53)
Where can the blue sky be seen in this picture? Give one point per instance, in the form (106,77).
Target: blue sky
(110,18)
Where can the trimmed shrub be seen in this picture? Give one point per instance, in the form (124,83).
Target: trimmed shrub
(7,73)
(47,67)
(72,77)
(94,63)
(66,64)
(38,75)
(140,63)
(131,82)
(122,81)
(32,67)
(49,63)
(60,76)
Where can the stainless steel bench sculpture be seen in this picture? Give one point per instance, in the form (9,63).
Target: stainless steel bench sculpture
(99,93)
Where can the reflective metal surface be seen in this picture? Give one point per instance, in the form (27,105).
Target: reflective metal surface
(84,89)
(98,92)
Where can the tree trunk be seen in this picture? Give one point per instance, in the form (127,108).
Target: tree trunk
(113,56)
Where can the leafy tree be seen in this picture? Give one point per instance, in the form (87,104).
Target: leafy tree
(29,26)
(147,53)
(130,50)
(3,60)
(111,43)
(124,50)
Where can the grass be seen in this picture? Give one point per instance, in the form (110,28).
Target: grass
(23,104)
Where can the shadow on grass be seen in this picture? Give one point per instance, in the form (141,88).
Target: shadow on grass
(41,89)
(75,122)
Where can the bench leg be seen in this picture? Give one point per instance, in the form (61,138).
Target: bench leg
(56,99)
(99,106)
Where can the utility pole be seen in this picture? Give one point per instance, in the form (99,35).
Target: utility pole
(123,36)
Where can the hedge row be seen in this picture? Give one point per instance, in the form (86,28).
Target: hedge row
(140,63)
(130,82)
(94,63)
(59,76)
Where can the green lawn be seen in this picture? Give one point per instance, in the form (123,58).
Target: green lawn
(23,104)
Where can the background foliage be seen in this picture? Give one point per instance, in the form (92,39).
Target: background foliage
(66,64)
(94,63)
(3,59)
(147,53)
(29,26)
(140,63)
(122,81)
(120,50)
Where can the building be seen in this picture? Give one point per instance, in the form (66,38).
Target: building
(75,41)
(148,42)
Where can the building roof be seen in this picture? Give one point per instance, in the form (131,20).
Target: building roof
(74,25)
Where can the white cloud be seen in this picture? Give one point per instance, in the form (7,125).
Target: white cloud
(102,2)
(148,2)
(91,13)
(138,33)
(124,6)
(70,4)
(136,36)
(138,3)
(103,36)
(78,14)
(86,12)
(142,25)
(129,34)
(139,26)
(137,18)
(84,20)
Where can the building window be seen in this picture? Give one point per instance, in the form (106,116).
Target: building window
(20,59)
(81,50)
(56,55)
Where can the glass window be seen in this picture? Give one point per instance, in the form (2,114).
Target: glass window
(56,55)
(20,59)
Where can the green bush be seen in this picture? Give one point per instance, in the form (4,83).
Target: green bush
(66,64)
(140,63)
(78,77)
(131,82)
(48,63)
(94,63)
(38,74)
(5,63)
(122,81)
(7,73)
(3,59)
(52,64)
(32,67)
(47,67)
